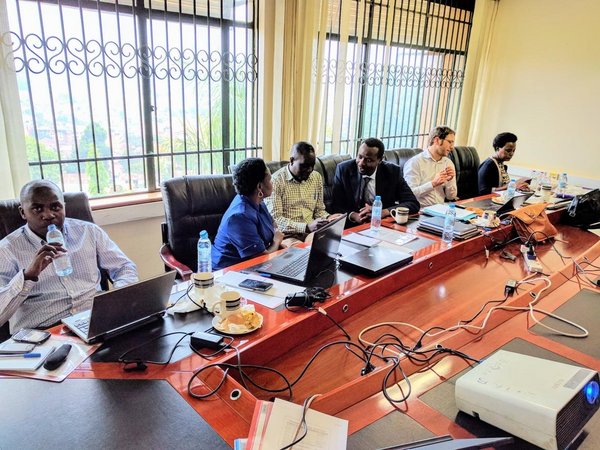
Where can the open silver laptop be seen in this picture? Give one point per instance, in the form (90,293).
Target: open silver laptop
(122,309)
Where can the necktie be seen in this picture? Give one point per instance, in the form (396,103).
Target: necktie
(362,196)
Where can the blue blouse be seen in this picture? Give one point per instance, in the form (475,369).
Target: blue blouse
(246,230)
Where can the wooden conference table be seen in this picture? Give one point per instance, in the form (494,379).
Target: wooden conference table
(441,286)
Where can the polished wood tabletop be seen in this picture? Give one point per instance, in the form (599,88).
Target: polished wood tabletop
(440,287)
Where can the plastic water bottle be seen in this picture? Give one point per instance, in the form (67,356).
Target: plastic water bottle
(204,253)
(535,180)
(376,214)
(449,221)
(511,189)
(562,184)
(62,262)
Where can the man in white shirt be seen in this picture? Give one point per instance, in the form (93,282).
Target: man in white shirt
(31,294)
(431,174)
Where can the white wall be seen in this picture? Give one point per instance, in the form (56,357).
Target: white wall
(543,84)
(136,230)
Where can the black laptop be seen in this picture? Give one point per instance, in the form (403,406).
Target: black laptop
(376,260)
(513,203)
(301,265)
(122,309)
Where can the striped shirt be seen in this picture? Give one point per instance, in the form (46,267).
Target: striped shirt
(30,304)
(294,204)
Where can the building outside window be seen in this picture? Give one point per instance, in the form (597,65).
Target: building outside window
(117,96)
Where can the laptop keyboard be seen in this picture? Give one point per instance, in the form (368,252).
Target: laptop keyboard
(83,325)
(295,267)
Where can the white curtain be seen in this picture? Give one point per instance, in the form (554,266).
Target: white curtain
(14,171)
(474,89)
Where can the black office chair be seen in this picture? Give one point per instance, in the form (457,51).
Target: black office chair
(466,162)
(273,166)
(77,206)
(192,204)
(399,156)
(326,166)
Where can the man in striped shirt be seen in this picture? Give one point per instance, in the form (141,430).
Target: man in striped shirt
(31,294)
(296,203)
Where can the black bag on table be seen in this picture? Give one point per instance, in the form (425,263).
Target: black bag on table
(584,210)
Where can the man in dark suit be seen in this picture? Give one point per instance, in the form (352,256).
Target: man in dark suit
(358,181)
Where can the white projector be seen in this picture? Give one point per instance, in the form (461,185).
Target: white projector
(543,402)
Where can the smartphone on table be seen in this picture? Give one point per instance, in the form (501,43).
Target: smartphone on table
(255,285)
(31,336)
(15,348)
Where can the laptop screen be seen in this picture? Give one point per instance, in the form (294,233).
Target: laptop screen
(325,246)
(122,306)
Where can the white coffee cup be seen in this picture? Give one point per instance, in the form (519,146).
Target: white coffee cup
(488,217)
(546,192)
(203,280)
(400,214)
(229,303)
(203,283)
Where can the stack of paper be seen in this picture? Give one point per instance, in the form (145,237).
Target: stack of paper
(278,424)
(20,363)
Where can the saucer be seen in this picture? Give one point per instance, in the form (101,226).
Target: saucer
(217,324)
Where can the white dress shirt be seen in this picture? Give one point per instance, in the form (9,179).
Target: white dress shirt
(31,304)
(420,170)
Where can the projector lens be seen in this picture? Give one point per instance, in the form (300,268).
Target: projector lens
(592,390)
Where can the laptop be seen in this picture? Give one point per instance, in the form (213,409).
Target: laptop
(376,260)
(514,203)
(301,265)
(435,225)
(122,309)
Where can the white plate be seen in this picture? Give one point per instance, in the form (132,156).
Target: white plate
(216,323)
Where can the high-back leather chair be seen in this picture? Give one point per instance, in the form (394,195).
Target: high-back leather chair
(273,166)
(326,165)
(77,206)
(466,161)
(192,204)
(399,156)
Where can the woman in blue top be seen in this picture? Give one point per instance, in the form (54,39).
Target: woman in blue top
(247,229)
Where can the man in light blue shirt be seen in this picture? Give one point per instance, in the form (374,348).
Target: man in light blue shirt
(31,294)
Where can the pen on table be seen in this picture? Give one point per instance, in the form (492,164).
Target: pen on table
(22,355)
(460,206)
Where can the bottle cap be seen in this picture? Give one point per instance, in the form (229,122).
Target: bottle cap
(378,197)
(51,227)
(204,234)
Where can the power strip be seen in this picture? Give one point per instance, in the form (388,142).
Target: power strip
(531,261)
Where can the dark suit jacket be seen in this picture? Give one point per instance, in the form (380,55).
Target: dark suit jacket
(389,184)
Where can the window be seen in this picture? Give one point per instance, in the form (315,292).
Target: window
(392,69)
(117,96)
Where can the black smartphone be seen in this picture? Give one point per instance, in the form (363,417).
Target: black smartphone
(255,285)
(32,336)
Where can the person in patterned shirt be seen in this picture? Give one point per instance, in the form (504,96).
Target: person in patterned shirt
(296,203)
(31,294)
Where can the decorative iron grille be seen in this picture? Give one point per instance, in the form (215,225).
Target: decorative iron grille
(118,96)
(395,73)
